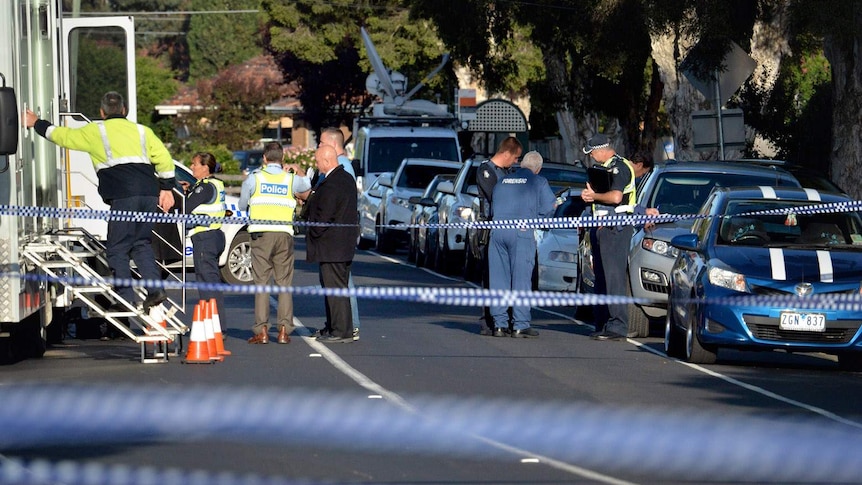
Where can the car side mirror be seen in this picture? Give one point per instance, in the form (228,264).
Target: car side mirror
(414,200)
(427,202)
(687,242)
(374,192)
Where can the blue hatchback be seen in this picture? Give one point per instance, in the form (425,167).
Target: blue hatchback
(763,269)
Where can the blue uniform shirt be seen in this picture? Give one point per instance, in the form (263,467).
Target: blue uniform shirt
(522,195)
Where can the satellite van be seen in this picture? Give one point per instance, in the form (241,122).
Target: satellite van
(397,127)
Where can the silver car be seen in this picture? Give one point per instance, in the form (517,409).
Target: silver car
(422,237)
(557,248)
(368,207)
(678,188)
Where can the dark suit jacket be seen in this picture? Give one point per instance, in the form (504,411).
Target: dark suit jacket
(333,201)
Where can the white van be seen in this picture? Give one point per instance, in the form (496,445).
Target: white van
(381,147)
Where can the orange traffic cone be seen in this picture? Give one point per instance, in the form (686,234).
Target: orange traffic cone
(219,339)
(157,314)
(198,352)
(208,325)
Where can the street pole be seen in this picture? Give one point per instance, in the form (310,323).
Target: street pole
(718,115)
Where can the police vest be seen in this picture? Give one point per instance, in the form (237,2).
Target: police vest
(216,208)
(272,200)
(627,205)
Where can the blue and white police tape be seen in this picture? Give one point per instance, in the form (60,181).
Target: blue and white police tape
(460,296)
(541,223)
(652,445)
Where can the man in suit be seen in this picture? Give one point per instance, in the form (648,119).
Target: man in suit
(333,245)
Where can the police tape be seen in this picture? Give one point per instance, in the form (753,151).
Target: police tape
(537,223)
(461,296)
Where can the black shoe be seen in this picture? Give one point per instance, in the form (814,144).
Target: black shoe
(486,331)
(525,333)
(154,297)
(605,335)
(322,332)
(500,332)
(332,339)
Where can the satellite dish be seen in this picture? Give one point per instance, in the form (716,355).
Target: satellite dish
(385,82)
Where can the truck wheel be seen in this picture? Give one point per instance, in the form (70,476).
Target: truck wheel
(237,269)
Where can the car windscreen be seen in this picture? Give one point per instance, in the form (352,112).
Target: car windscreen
(419,176)
(562,178)
(385,154)
(684,193)
(745,223)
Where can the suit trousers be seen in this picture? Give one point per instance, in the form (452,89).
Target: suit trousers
(338,313)
(272,258)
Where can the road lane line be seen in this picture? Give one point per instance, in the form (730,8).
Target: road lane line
(363,380)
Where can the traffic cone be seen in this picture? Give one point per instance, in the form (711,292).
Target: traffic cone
(198,352)
(219,339)
(157,314)
(208,325)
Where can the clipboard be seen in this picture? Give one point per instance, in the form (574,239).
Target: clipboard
(600,178)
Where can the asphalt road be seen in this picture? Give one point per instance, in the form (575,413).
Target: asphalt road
(422,398)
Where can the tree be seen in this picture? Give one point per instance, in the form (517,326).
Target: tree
(155,84)
(318,45)
(231,105)
(218,40)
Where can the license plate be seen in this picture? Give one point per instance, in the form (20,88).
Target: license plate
(802,322)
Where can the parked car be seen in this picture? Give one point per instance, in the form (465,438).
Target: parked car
(369,210)
(235,261)
(424,212)
(455,207)
(560,177)
(738,252)
(674,188)
(249,160)
(557,248)
(410,180)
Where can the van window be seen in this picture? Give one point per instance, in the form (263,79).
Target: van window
(386,154)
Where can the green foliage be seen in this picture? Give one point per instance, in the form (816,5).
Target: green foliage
(155,85)
(96,76)
(216,41)
(223,155)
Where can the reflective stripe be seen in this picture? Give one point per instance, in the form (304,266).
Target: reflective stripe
(113,162)
(768,192)
(776,258)
(215,208)
(812,194)
(824,260)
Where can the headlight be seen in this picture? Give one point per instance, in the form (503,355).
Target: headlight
(464,213)
(726,278)
(659,247)
(563,257)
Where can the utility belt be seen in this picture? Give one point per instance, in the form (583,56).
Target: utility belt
(605,210)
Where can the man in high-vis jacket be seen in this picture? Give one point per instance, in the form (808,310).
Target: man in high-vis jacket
(135,172)
(269,194)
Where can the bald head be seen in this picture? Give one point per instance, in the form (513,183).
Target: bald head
(326,158)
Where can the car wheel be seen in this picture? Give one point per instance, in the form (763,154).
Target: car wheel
(694,351)
(237,269)
(673,341)
(638,321)
(385,243)
(850,361)
(471,264)
(441,255)
(411,248)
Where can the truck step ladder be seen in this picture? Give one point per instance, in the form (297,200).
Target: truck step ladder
(70,255)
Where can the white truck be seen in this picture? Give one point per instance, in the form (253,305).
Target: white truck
(60,65)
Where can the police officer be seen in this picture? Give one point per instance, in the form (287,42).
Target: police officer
(269,194)
(135,172)
(489,172)
(611,243)
(206,198)
(512,252)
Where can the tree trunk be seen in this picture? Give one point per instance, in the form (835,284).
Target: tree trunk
(558,81)
(844,57)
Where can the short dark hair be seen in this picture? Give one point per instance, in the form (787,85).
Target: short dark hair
(644,157)
(510,145)
(335,133)
(113,104)
(273,152)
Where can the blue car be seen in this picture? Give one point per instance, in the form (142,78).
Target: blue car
(738,257)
